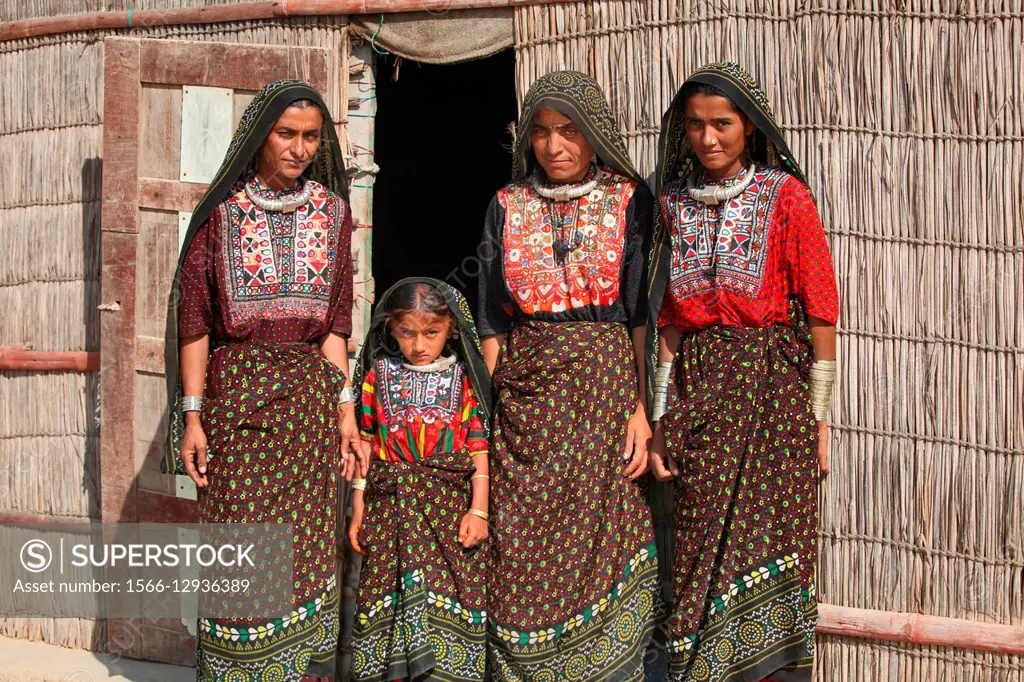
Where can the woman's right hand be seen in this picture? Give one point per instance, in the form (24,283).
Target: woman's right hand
(662,466)
(193,449)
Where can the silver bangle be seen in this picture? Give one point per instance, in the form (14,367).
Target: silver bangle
(661,378)
(823,377)
(347,395)
(192,403)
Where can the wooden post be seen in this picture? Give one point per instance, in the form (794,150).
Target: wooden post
(18,359)
(119,236)
(915,628)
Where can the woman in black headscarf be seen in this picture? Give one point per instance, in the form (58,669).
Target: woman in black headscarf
(743,301)
(260,406)
(573,572)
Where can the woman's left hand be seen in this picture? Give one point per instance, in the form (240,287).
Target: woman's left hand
(353,450)
(824,438)
(638,440)
(472,531)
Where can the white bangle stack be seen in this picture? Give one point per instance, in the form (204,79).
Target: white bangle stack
(192,403)
(661,379)
(823,376)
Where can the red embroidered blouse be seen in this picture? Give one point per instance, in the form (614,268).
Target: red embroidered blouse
(264,277)
(770,245)
(599,280)
(408,415)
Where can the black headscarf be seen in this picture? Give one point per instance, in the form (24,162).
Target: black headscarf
(578,97)
(327,168)
(676,159)
(465,344)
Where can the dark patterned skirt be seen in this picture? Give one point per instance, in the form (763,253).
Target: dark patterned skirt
(740,425)
(271,423)
(421,612)
(573,574)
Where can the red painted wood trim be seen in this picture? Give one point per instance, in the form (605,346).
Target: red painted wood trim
(243,11)
(93,21)
(919,629)
(120,224)
(117,381)
(121,138)
(221,65)
(14,359)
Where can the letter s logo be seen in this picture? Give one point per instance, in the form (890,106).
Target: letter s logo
(36,556)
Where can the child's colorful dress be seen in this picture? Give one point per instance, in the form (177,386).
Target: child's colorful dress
(421,608)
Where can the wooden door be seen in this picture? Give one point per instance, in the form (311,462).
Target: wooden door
(170,108)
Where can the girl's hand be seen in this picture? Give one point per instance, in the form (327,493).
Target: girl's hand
(638,439)
(663,467)
(193,449)
(472,531)
(824,438)
(355,535)
(355,455)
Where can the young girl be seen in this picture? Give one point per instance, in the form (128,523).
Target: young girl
(421,512)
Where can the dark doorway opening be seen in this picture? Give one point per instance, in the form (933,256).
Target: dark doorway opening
(441,141)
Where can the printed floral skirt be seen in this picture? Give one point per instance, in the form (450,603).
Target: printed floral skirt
(739,424)
(272,429)
(421,613)
(574,589)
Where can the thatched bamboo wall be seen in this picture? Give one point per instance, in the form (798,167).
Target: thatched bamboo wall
(51,131)
(907,116)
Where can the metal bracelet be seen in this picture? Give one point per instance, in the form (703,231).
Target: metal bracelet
(192,403)
(823,377)
(662,376)
(347,395)
(481,514)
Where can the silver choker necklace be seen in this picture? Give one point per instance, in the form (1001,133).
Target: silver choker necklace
(562,192)
(435,366)
(286,204)
(717,194)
